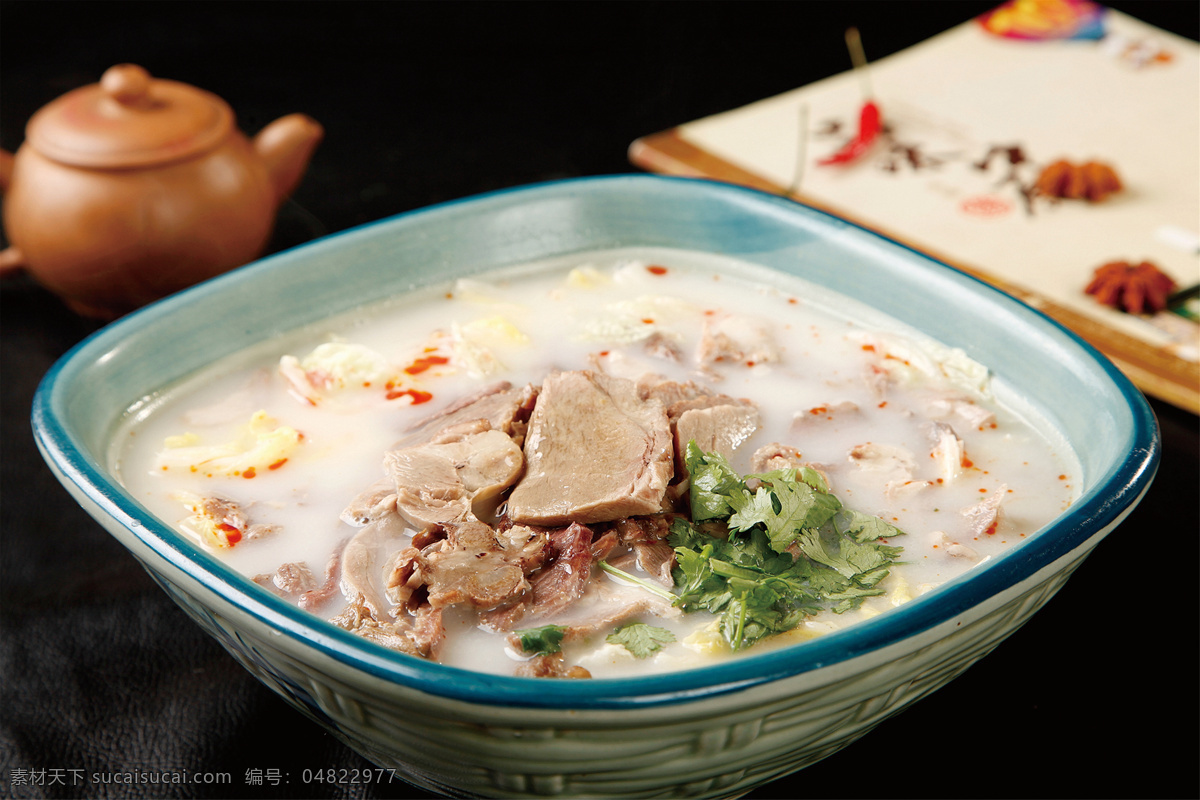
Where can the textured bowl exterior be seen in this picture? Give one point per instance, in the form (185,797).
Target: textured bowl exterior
(713,732)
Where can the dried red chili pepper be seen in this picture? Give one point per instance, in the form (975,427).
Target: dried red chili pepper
(870,125)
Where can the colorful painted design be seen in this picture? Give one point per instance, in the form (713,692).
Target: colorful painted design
(1042,20)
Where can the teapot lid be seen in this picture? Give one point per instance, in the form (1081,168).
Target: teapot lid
(129,119)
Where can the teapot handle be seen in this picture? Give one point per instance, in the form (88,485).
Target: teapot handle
(11,259)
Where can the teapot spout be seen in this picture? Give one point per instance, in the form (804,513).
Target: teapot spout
(285,146)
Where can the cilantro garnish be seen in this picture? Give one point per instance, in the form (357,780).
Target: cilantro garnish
(543,641)
(641,639)
(791,549)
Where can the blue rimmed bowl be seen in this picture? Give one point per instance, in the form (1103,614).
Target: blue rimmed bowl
(711,732)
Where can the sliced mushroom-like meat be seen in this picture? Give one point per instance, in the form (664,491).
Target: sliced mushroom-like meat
(371,504)
(448,479)
(471,568)
(366,563)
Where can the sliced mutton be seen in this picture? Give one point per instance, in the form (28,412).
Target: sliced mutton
(594,452)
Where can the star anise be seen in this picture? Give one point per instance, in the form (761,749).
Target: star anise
(1131,287)
(1091,181)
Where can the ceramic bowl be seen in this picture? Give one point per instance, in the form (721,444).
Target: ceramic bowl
(715,731)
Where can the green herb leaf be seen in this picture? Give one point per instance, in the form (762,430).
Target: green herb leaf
(780,555)
(712,483)
(868,527)
(641,639)
(543,641)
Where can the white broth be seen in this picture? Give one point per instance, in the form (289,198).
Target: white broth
(257,457)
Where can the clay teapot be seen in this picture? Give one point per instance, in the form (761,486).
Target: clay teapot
(132,188)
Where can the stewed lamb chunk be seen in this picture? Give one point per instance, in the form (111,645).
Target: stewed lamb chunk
(595,452)
(471,567)
(554,587)
(646,538)
(419,634)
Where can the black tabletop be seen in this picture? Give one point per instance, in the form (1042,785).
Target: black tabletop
(102,675)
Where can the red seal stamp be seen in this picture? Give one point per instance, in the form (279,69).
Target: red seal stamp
(985,205)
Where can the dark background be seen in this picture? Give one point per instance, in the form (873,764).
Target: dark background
(1096,697)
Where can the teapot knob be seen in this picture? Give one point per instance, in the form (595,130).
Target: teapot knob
(128,84)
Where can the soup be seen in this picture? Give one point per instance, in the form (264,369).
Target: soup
(614,463)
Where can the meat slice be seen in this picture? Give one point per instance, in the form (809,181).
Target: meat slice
(405,583)
(647,539)
(803,420)
(679,397)
(294,578)
(373,503)
(556,586)
(668,391)
(948,453)
(454,475)
(898,463)
(499,407)
(594,452)
(952,548)
(524,546)
(715,421)
(364,568)
(719,428)
(315,596)
(983,518)
(550,666)
(733,338)
(776,456)
(659,345)
(230,517)
(505,407)
(964,409)
(418,634)
(471,568)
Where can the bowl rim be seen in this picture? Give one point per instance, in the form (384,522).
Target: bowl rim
(1095,511)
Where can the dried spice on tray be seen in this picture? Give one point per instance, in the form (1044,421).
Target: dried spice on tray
(1092,181)
(1135,288)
